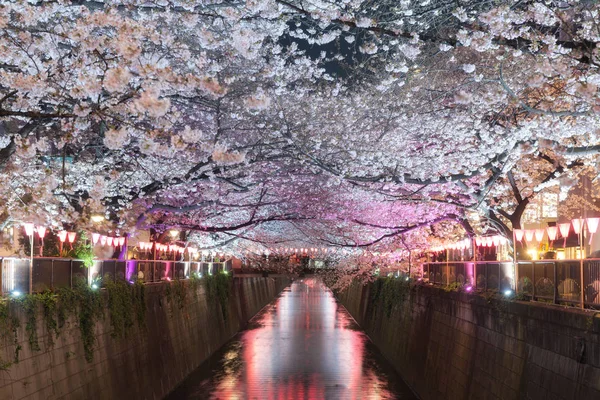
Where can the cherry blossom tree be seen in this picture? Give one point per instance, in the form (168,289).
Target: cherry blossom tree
(360,124)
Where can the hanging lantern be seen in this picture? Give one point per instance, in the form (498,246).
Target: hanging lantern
(577,225)
(102,240)
(529,234)
(109,240)
(28,229)
(95,237)
(539,235)
(121,240)
(489,241)
(41,231)
(477,241)
(519,234)
(592,224)
(564,229)
(552,231)
(496,240)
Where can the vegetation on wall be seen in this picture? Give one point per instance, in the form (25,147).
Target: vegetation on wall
(217,289)
(125,304)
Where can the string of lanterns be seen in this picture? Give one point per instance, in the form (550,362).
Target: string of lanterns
(563,228)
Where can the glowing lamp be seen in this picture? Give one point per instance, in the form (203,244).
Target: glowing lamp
(529,234)
(489,241)
(41,231)
(577,225)
(552,231)
(95,237)
(109,241)
(121,240)
(519,234)
(477,241)
(71,236)
(539,234)
(62,236)
(592,224)
(28,229)
(564,229)
(102,240)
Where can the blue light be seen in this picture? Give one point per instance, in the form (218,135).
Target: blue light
(508,293)
(16,293)
(94,286)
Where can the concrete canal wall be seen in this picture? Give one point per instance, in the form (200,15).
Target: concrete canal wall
(181,329)
(449,345)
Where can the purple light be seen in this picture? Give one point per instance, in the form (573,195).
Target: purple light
(469,288)
(131,267)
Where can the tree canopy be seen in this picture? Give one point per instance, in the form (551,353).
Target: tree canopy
(351,123)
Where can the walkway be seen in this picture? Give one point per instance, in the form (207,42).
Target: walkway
(304,345)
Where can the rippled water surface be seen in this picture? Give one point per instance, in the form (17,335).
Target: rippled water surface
(304,345)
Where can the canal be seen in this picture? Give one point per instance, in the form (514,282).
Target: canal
(304,345)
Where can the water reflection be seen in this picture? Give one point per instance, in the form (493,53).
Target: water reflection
(302,346)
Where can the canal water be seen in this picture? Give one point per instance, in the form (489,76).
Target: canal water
(304,345)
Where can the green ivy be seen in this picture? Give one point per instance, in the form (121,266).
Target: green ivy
(30,307)
(120,306)
(9,323)
(179,293)
(218,287)
(91,309)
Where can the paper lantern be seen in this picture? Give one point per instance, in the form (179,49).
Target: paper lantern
(592,224)
(71,236)
(496,240)
(102,240)
(539,235)
(41,231)
(529,234)
(121,240)
(477,241)
(489,241)
(95,237)
(519,234)
(552,231)
(564,229)
(109,240)
(577,225)
(62,236)
(28,229)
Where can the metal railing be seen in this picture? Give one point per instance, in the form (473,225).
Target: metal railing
(54,273)
(557,281)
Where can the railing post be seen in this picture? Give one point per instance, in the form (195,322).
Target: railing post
(52,274)
(71,273)
(555,296)
(516,275)
(486,276)
(533,278)
(474,283)
(581,280)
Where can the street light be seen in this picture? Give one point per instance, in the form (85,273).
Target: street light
(97,218)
